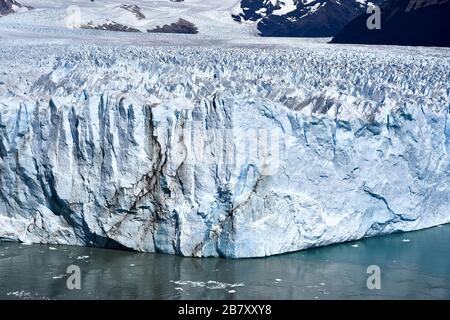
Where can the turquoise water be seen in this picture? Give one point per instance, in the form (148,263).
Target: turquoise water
(413,265)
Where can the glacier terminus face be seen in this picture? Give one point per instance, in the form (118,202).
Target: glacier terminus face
(221,151)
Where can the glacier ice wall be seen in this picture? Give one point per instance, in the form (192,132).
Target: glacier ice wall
(221,152)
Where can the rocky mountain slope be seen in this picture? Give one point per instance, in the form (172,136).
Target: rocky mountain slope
(301,18)
(403,22)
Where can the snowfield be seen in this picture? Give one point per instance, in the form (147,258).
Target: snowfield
(214,145)
(212,17)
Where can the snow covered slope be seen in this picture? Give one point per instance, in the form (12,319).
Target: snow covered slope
(238,18)
(224,151)
(211,16)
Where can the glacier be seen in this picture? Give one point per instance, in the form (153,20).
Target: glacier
(231,151)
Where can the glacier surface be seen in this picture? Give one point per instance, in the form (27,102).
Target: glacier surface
(222,151)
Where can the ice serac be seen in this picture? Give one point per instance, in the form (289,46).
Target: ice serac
(154,149)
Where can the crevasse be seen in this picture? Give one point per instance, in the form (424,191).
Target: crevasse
(220,152)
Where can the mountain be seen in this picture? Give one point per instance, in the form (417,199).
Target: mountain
(300,18)
(403,22)
(11,6)
(278,18)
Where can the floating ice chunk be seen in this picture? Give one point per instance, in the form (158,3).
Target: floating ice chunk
(233,285)
(20,294)
(216,285)
(211,284)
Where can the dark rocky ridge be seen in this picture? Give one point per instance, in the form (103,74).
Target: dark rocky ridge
(110,26)
(317,18)
(134,9)
(181,26)
(403,22)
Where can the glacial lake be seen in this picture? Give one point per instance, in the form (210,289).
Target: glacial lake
(413,265)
